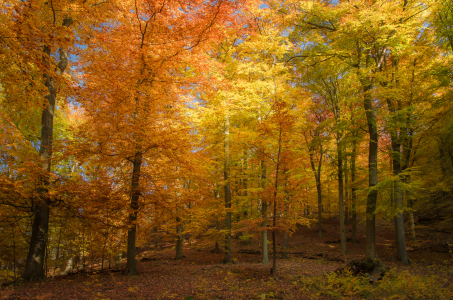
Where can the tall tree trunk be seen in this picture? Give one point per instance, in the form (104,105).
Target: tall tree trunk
(274,242)
(367,86)
(274,217)
(398,198)
(340,192)
(247,241)
(285,244)
(370,242)
(400,238)
(317,175)
(346,192)
(407,143)
(226,176)
(34,264)
(131,264)
(265,258)
(354,195)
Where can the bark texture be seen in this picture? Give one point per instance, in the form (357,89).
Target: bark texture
(340,193)
(179,255)
(370,225)
(34,264)
(265,258)
(353,192)
(131,264)
(226,176)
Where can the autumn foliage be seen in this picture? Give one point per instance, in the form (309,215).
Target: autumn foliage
(126,124)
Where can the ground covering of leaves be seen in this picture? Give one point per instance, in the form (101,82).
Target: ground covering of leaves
(306,273)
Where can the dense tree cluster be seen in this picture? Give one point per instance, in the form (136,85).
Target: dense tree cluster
(134,122)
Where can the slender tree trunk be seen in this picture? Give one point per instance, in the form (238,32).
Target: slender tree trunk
(317,174)
(400,238)
(274,219)
(265,258)
(91,251)
(370,242)
(217,196)
(285,244)
(346,192)
(131,264)
(245,194)
(274,242)
(14,253)
(412,220)
(34,268)
(83,249)
(328,202)
(47,253)
(57,256)
(226,176)
(340,192)
(103,249)
(398,198)
(410,203)
(217,246)
(354,195)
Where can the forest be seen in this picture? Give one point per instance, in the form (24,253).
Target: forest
(226,149)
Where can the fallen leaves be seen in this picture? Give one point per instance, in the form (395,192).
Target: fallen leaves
(200,276)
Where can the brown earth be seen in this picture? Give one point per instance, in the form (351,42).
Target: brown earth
(201,275)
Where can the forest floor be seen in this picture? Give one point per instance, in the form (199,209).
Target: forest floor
(307,272)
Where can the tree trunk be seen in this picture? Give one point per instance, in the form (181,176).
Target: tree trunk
(83,249)
(285,244)
(398,198)
(14,253)
(131,264)
(69,265)
(179,255)
(340,192)
(245,194)
(103,248)
(370,242)
(317,174)
(410,203)
(354,195)
(346,192)
(57,255)
(34,266)
(35,259)
(226,176)
(217,196)
(91,251)
(217,247)
(400,238)
(264,216)
(328,202)
(274,217)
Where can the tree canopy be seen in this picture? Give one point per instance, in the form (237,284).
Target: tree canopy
(127,122)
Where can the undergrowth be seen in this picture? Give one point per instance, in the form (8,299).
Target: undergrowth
(395,285)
